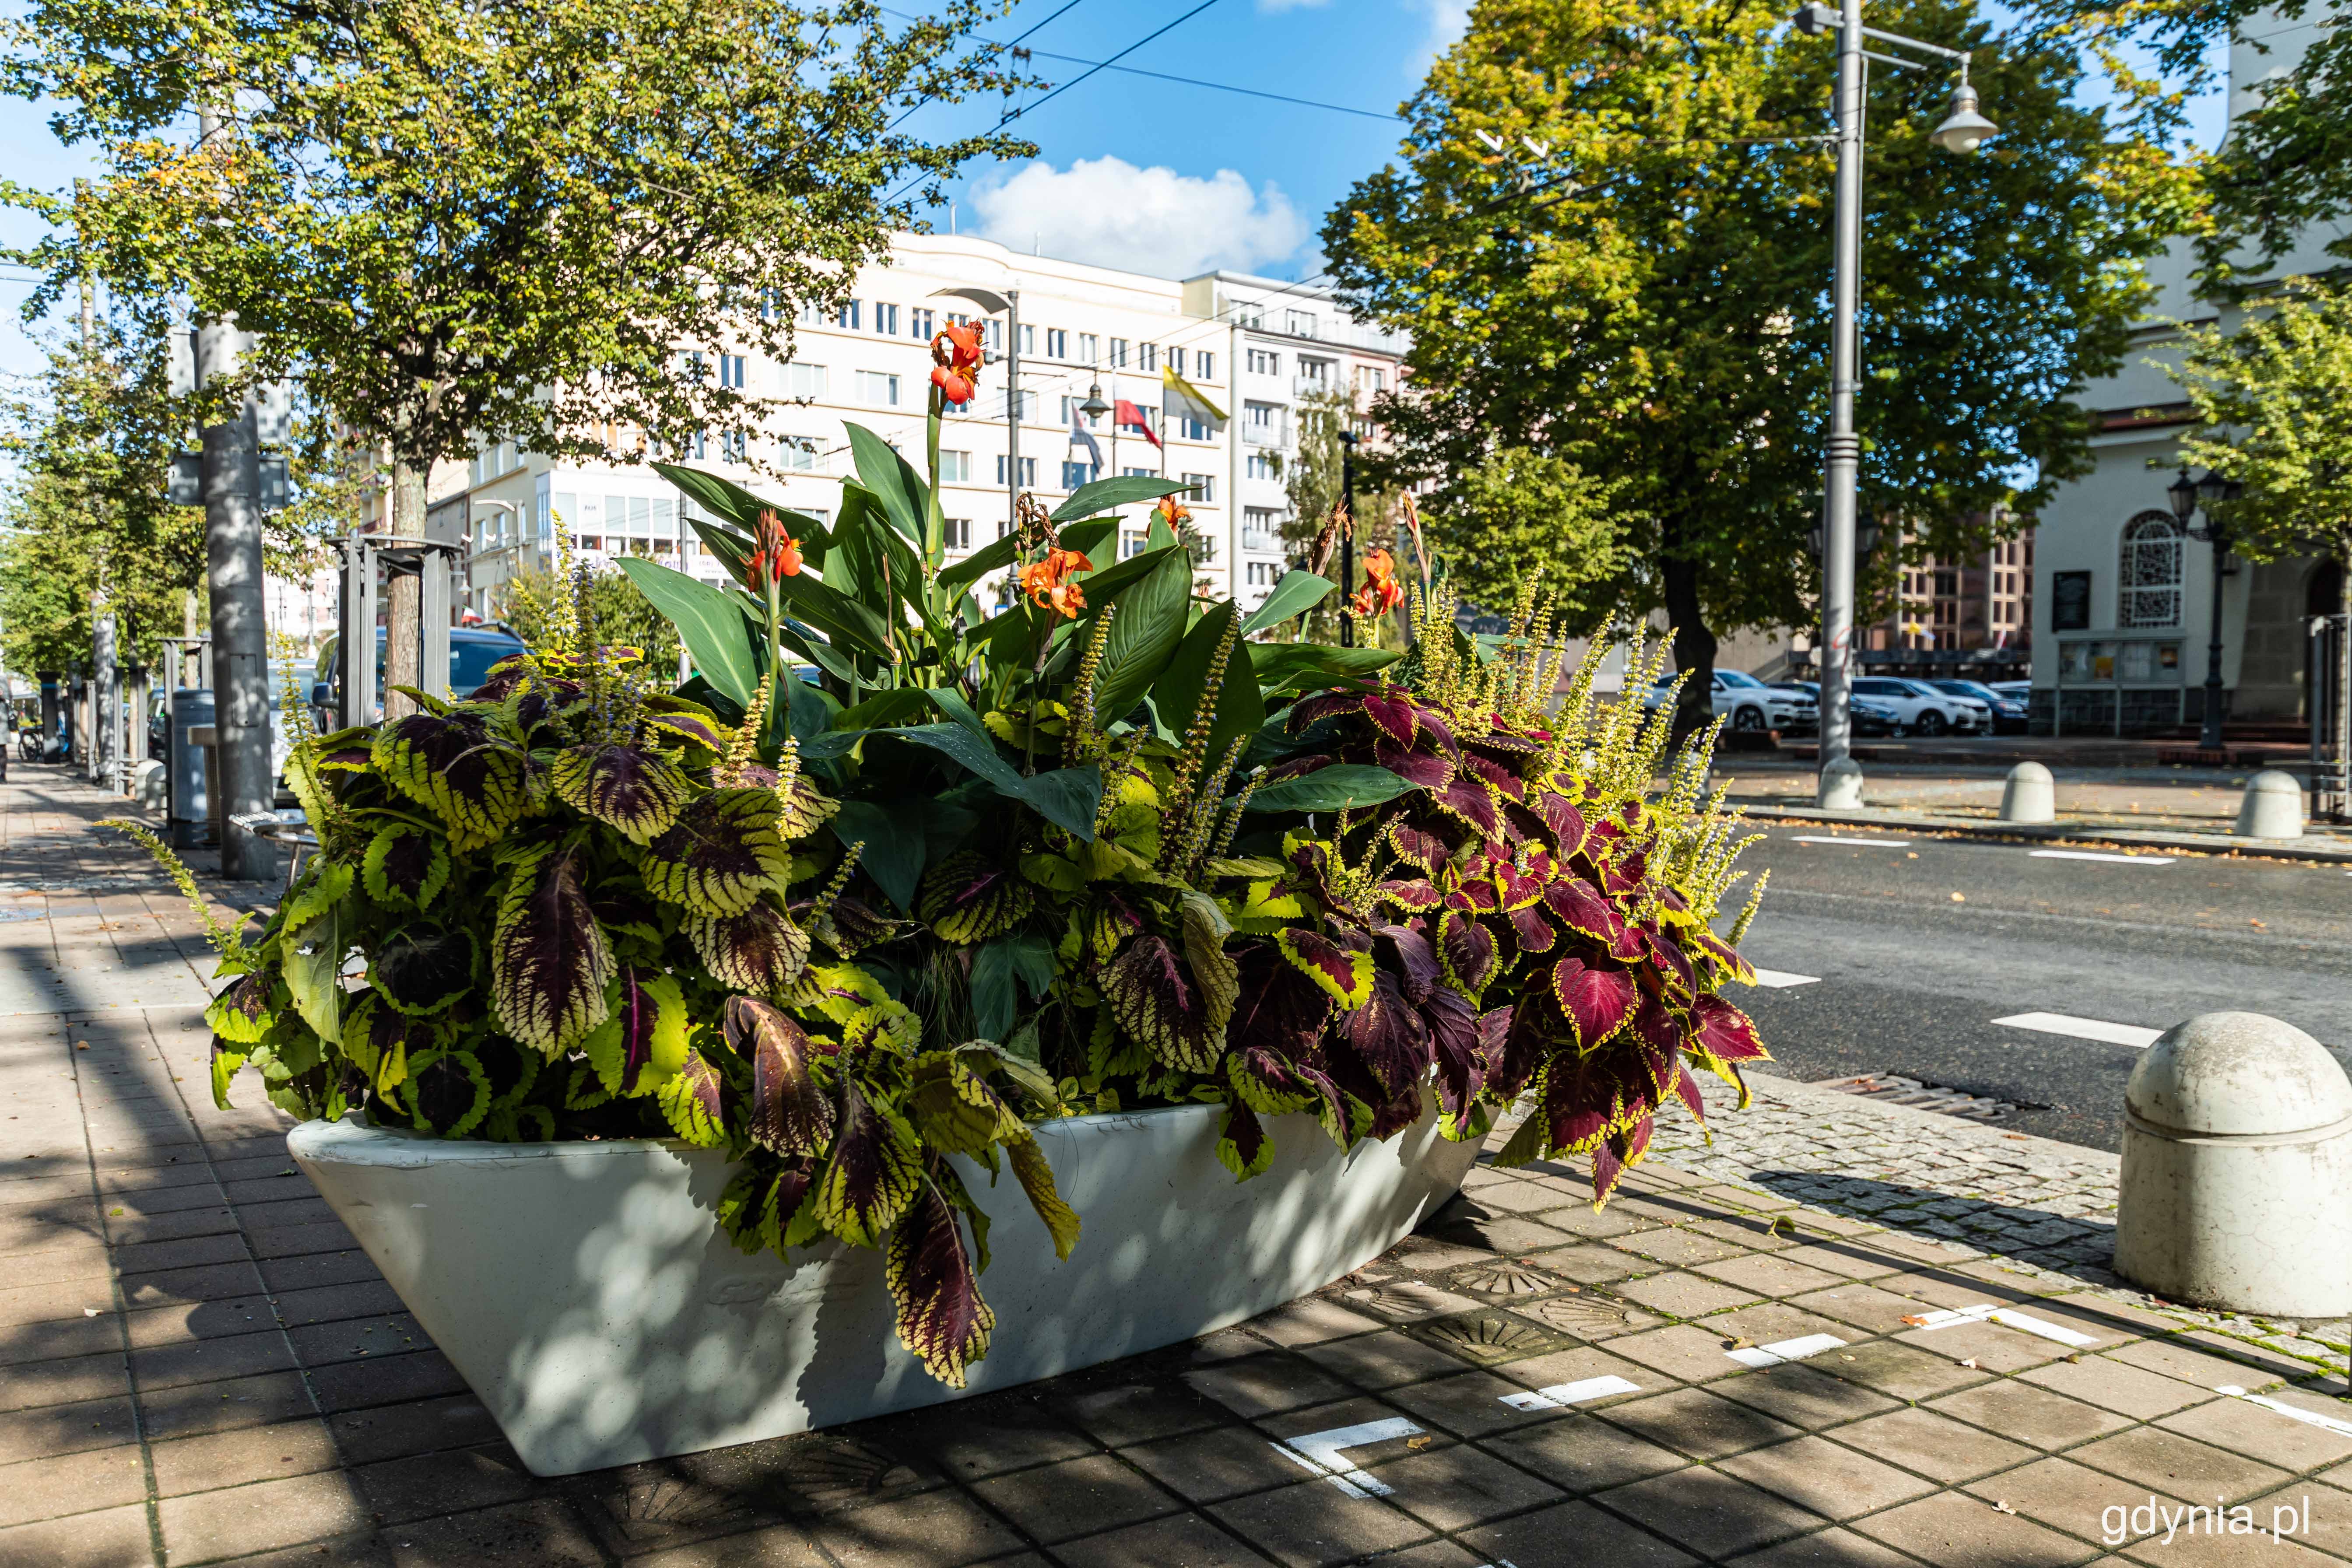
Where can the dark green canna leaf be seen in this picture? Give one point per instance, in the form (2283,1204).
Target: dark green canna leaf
(718,632)
(1157,1001)
(941,1317)
(720,854)
(790,1112)
(876,1169)
(422,969)
(550,960)
(633,792)
(472,778)
(1298,593)
(1346,786)
(405,865)
(759,950)
(1099,496)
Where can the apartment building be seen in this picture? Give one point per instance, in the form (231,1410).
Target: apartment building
(1964,616)
(1291,345)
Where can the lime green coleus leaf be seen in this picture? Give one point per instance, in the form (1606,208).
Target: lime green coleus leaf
(969,898)
(1243,1146)
(405,865)
(691,1102)
(227,1061)
(955,1109)
(759,950)
(1036,1178)
(641,1044)
(875,1172)
(1159,1001)
(549,960)
(470,776)
(320,892)
(241,1015)
(633,792)
(720,854)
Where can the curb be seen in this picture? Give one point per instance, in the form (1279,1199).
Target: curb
(2019,832)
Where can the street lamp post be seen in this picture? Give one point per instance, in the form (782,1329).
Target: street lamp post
(1008,305)
(1839,783)
(1347,533)
(2186,496)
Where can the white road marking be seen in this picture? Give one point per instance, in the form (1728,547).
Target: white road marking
(1785,1350)
(2084,1028)
(1560,1395)
(2008,1317)
(2100,855)
(1781,978)
(2312,1417)
(1319,1452)
(1882,842)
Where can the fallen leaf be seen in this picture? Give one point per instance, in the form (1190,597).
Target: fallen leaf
(1738,1343)
(2259,925)
(1421,1441)
(1959,897)
(1916,1320)
(2003,1508)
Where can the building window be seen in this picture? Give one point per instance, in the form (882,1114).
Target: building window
(919,322)
(1250,313)
(730,371)
(734,447)
(1029,340)
(1148,355)
(1130,544)
(955,468)
(1318,371)
(1135,473)
(1299,323)
(1264,361)
(804,381)
(1118,353)
(798,452)
(958,532)
(1090,346)
(1201,488)
(1205,367)
(1371,378)
(1070,410)
(1193,429)
(1262,466)
(1057,343)
(1176,358)
(2151,591)
(878,388)
(846,317)
(885,320)
(1028,471)
(1077,474)
(1263,573)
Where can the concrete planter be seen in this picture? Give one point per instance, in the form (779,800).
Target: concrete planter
(585,1292)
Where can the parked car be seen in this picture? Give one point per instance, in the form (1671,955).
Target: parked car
(2015,690)
(1748,704)
(1867,718)
(1921,710)
(2008,712)
(472,651)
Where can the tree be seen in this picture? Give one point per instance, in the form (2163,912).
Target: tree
(1521,514)
(1314,485)
(1654,306)
(526,219)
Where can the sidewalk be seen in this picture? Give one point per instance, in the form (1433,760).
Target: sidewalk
(200,1367)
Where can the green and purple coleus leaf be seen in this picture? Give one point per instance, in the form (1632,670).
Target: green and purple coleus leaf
(1243,1146)
(719,854)
(1388,1037)
(634,792)
(941,1317)
(422,969)
(1345,977)
(968,897)
(641,1044)
(1466,949)
(449,1090)
(471,776)
(242,1013)
(760,949)
(678,719)
(405,864)
(876,1171)
(694,1102)
(1157,1000)
(791,1113)
(550,959)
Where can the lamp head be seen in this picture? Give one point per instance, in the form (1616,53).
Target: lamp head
(1094,407)
(1964,129)
(1815,20)
(2212,488)
(2182,494)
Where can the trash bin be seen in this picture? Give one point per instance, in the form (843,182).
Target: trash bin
(190,818)
(2237,1170)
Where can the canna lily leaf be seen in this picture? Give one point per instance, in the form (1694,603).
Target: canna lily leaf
(941,1317)
(633,792)
(642,1043)
(454,764)
(1157,1002)
(1000,970)
(312,963)
(1345,786)
(1346,976)
(759,950)
(720,854)
(1596,996)
(969,898)
(790,1113)
(1298,593)
(691,1102)
(875,1174)
(405,865)
(717,630)
(421,970)
(550,960)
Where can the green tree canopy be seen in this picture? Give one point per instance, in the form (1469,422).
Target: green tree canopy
(1654,307)
(621,614)
(509,219)
(1519,513)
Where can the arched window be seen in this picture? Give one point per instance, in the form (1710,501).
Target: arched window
(2150,594)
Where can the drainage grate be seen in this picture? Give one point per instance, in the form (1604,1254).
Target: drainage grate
(1911,1091)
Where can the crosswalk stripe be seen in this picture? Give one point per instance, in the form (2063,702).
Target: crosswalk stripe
(2100,855)
(1849,839)
(2084,1028)
(1781,978)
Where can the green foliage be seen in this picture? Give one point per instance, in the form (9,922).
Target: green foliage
(1519,515)
(622,614)
(2285,168)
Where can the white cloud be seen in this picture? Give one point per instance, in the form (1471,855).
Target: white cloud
(1108,212)
(1276,5)
(1448,20)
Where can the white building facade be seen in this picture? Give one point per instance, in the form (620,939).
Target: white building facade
(2121,597)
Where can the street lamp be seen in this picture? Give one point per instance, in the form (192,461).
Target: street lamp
(2186,495)
(1347,533)
(1839,783)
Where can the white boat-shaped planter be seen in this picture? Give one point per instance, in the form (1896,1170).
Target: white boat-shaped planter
(585,1291)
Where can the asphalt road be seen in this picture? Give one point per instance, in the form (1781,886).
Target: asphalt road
(1909,978)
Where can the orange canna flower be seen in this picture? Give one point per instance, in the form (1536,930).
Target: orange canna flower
(1381,593)
(957,356)
(776,554)
(1172,511)
(1047,582)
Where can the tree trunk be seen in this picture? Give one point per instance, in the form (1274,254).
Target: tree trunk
(403,599)
(1694,643)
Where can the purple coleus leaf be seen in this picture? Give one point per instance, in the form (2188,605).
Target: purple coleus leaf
(1156,1000)
(1565,822)
(1415,765)
(1415,894)
(1345,975)
(1466,948)
(1503,779)
(1616,1155)
(1392,709)
(1657,1036)
(760,949)
(1673,966)
(1532,931)
(1531,1030)
(638,1014)
(1723,1032)
(1406,953)
(1729,963)
(941,1317)
(1594,996)
(791,1113)
(1461,1046)
(633,791)
(1472,802)
(1582,909)
(549,960)
(1423,850)
(1280,1011)
(876,1169)
(1388,1037)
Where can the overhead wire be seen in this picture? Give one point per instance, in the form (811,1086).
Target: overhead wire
(928,97)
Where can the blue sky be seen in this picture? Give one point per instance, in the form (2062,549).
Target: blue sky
(1131,171)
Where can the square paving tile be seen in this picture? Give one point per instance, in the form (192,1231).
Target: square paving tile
(1583,1453)
(1711,1513)
(1995,1347)
(1572,1535)
(1384,1360)
(1697,1422)
(2179,1467)
(63,1484)
(1686,1351)
(1968,1532)
(1770,1274)
(1825,1549)
(1590,1264)
(1179,1541)
(2129,1390)
(1904,1371)
(1684,1295)
(2029,1414)
(1406,1300)
(1457,1488)
(1934,1445)
(2064,1495)
(2265,1435)
(1313,1523)
(1470,1406)
(1076,1497)
(1833,1481)
(236,1521)
(110,1538)
(2189,1363)
(938,1528)
(1264,1385)
(1311,1319)
(1589,1315)
(1138,1412)
(1802,1396)
(231,1458)
(1209,1467)
(1682,1248)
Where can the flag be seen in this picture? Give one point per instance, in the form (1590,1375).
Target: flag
(1131,417)
(1180,399)
(1082,436)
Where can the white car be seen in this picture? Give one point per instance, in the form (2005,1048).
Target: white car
(1920,709)
(1748,704)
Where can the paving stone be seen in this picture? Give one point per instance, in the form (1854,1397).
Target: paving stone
(1833,1481)
(109,1538)
(260,1515)
(1824,1549)
(1682,1248)
(210,1360)
(1591,1264)
(1710,1512)
(1684,1295)
(2251,1429)
(1901,1370)
(1995,1347)
(2178,1465)
(1698,1423)
(398,1490)
(250,1454)
(1469,1405)
(224,1406)
(1263,1385)
(66,1380)
(1075,1497)
(1687,1352)
(65,1429)
(1802,1396)
(1131,1413)
(1311,1524)
(976,1437)
(1210,1467)
(1573,1535)
(1312,1319)
(2129,1390)
(778,1546)
(388,1431)
(1583,1453)
(2064,1495)
(1957,1528)
(1933,1443)
(1384,1360)
(1457,1488)
(1179,1541)
(542,1534)
(61,1484)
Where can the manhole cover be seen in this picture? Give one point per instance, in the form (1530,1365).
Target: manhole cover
(1490,1339)
(1505,1279)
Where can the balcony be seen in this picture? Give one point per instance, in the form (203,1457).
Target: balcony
(1263,435)
(1262,542)
(1312,386)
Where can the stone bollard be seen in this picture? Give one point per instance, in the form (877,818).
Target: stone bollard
(2237,1170)
(147,784)
(2272,806)
(2030,796)
(1841,787)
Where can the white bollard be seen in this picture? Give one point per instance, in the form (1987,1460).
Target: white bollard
(1840,788)
(2237,1170)
(147,784)
(2272,806)
(2030,796)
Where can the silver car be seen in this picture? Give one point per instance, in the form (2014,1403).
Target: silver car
(1748,704)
